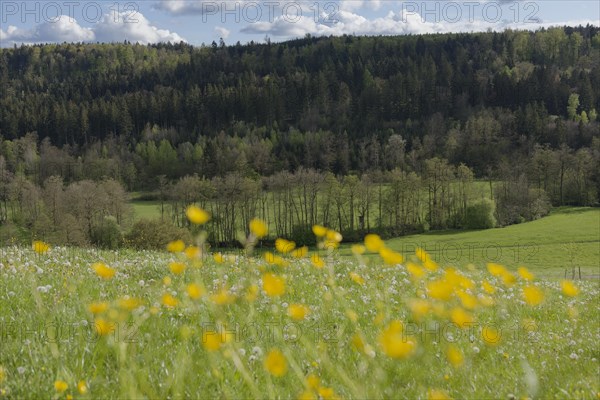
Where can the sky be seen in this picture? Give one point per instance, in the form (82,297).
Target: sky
(203,21)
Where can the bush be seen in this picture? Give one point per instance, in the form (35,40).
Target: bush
(154,234)
(480,215)
(107,234)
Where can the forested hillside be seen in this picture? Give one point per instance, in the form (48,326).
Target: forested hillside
(515,108)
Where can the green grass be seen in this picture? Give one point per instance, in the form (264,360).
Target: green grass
(545,351)
(568,237)
(146,209)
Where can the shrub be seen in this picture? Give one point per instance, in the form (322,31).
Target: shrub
(107,234)
(154,234)
(480,215)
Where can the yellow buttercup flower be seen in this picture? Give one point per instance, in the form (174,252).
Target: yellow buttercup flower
(455,356)
(569,288)
(461,318)
(177,267)
(491,336)
(61,386)
(488,287)
(373,243)
(259,228)
(251,293)
(40,247)
(419,308)
(194,290)
(298,311)
(319,231)
(275,363)
(213,341)
(317,261)
(284,246)
(103,271)
(222,297)
(525,274)
(176,246)
(169,301)
(394,343)
(358,249)
(496,269)
(193,252)
(415,271)
(103,327)
(219,258)
(98,308)
(300,252)
(129,303)
(439,289)
(390,257)
(357,278)
(533,295)
(197,216)
(333,236)
(82,387)
(273,285)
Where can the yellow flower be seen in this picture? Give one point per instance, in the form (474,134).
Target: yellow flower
(313,381)
(394,343)
(129,303)
(439,289)
(533,295)
(40,247)
(488,287)
(259,228)
(193,252)
(98,308)
(358,249)
(491,336)
(307,395)
(358,343)
(177,267)
(319,230)
(468,300)
(569,288)
(298,311)
(103,270)
(194,290)
(508,279)
(525,274)
(61,386)
(176,246)
(333,236)
(284,246)
(167,281)
(197,216)
(326,393)
(390,257)
(2,374)
(496,269)
(415,271)
(82,387)
(213,341)
(461,318)
(103,327)
(300,252)
(222,297)
(437,394)
(373,243)
(273,285)
(419,308)
(169,301)
(219,258)
(275,363)
(421,254)
(357,278)
(317,261)
(455,356)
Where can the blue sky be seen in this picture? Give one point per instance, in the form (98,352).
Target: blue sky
(202,21)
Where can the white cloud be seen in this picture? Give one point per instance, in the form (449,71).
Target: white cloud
(221,32)
(62,30)
(135,28)
(111,28)
(349,22)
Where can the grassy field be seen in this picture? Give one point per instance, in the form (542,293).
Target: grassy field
(567,237)
(140,326)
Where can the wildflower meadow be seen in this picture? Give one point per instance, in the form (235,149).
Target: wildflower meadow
(289,323)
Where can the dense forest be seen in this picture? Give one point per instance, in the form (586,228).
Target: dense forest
(515,108)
